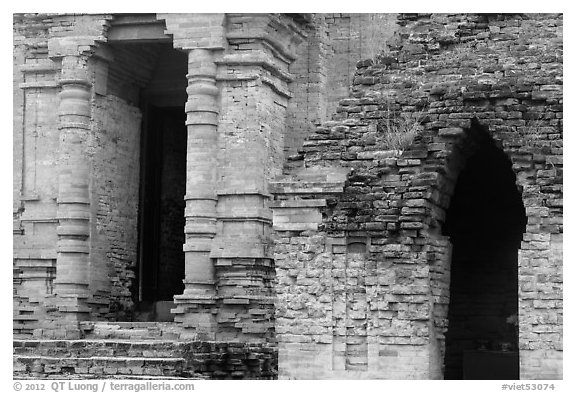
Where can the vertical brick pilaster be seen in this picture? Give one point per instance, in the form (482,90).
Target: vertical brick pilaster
(195,304)
(73,248)
(255,77)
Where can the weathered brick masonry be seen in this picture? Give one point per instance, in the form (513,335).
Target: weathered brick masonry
(311,248)
(362,258)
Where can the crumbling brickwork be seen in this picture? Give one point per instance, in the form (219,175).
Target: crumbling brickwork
(141,351)
(325,66)
(304,247)
(448,77)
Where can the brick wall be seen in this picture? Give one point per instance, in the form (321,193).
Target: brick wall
(443,76)
(115,154)
(41,359)
(35,148)
(325,66)
(353,37)
(307,106)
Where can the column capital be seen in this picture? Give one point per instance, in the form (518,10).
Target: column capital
(70,46)
(74,71)
(276,32)
(202,106)
(260,49)
(193,31)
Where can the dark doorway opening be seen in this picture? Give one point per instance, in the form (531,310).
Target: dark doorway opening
(485,223)
(162,210)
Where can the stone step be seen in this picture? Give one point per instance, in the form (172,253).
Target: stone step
(91,347)
(305,187)
(43,366)
(20,331)
(109,358)
(130,324)
(130,330)
(25,317)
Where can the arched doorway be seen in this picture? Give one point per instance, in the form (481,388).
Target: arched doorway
(485,222)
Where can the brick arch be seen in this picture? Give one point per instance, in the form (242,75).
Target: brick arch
(460,146)
(405,241)
(442,167)
(534,151)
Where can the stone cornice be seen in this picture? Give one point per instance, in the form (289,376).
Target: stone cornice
(278,32)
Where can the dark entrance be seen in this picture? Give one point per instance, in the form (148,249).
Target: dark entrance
(162,208)
(146,71)
(485,222)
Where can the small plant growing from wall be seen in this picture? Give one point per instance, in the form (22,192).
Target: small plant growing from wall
(399,128)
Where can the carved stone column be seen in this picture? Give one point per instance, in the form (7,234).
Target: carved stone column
(194,306)
(73,249)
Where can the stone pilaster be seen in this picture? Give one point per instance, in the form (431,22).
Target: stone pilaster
(254,76)
(73,248)
(195,305)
